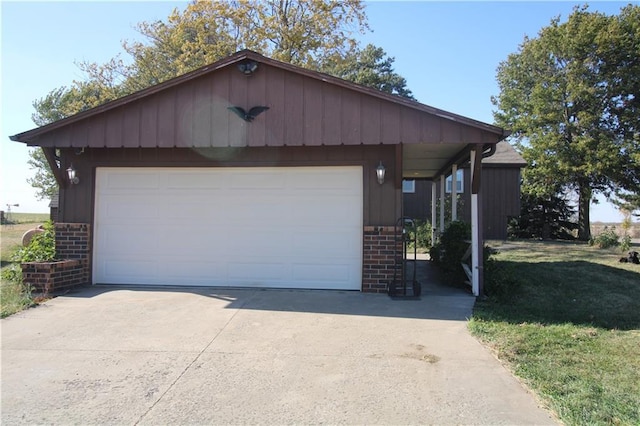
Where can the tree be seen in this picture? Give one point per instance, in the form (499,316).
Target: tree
(629,203)
(306,33)
(315,34)
(370,67)
(43,180)
(570,99)
(543,217)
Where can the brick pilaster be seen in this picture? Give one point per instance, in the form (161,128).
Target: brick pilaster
(379,254)
(73,241)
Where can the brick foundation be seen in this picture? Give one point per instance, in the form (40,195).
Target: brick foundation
(73,247)
(380,249)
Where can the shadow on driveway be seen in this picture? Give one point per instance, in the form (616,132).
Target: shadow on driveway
(438,301)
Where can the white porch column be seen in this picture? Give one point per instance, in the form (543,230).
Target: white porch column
(475,231)
(434,214)
(454,193)
(442,194)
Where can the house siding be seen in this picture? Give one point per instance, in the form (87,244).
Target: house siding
(304,111)
(500,199)
(381,203)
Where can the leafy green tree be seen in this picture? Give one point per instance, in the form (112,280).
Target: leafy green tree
(370,67)
(570,98)
(307,33)
(629,203)
(43,180)
(315,34)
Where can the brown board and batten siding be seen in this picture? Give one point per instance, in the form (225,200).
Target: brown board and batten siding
(381,205)
(501,192)
(303,112)
(501,199)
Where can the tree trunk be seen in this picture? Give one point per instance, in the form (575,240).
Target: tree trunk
(584,221)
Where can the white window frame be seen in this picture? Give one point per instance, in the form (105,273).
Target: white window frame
(459,182)
(408,186)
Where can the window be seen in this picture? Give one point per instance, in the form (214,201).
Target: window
(459,183)
(408,186)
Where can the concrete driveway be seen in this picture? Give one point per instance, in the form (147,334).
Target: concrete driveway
(209,356)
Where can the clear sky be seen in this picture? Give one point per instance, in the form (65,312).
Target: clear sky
(447,51)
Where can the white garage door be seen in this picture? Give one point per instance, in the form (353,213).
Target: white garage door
(292,227)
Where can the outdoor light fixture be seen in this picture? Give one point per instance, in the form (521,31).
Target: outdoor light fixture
(380,173)
(71,172)
(248,67)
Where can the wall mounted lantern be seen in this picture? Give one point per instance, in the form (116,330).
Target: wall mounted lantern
(248,67)
(380,173)
(71,172)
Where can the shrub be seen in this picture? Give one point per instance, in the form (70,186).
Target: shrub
(41,248)
(422,234)
(447,253)
(499,280)
(606,239)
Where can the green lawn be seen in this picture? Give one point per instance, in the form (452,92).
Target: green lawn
(13,297)
(570,329)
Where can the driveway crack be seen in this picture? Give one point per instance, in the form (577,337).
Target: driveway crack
(195,359)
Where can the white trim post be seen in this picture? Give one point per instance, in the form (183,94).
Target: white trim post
(475,230)
(442,194)
(434,214)
(454,193)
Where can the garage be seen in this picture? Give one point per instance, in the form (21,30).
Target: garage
(284,227)
(173,185)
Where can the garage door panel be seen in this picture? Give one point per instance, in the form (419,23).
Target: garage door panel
(257,180)
(192,181)
(128,271)
(255,271)
(191,271)
(338,179)
(311,241)
(307,272)
(297,227)
(123,181)
(123,240)
(131,207)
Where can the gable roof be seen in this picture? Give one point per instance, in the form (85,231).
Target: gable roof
(505,155)
(486,133)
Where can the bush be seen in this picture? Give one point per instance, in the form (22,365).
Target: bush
(448,252)
(15,294)
(606,239)
(422,234)
(41,248)
(499,280)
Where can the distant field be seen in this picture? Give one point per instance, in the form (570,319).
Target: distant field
(11,234)
(598,227)
(27,217)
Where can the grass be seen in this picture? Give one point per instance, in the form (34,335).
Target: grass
(570,329)
(13,296)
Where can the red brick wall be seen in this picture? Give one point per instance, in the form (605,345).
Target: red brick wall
(73,248)
(73,241)
(47,277)
(380,248)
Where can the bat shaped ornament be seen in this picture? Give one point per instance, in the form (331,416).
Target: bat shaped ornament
(250,115)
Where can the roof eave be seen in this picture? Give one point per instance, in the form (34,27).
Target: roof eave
(31,135)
